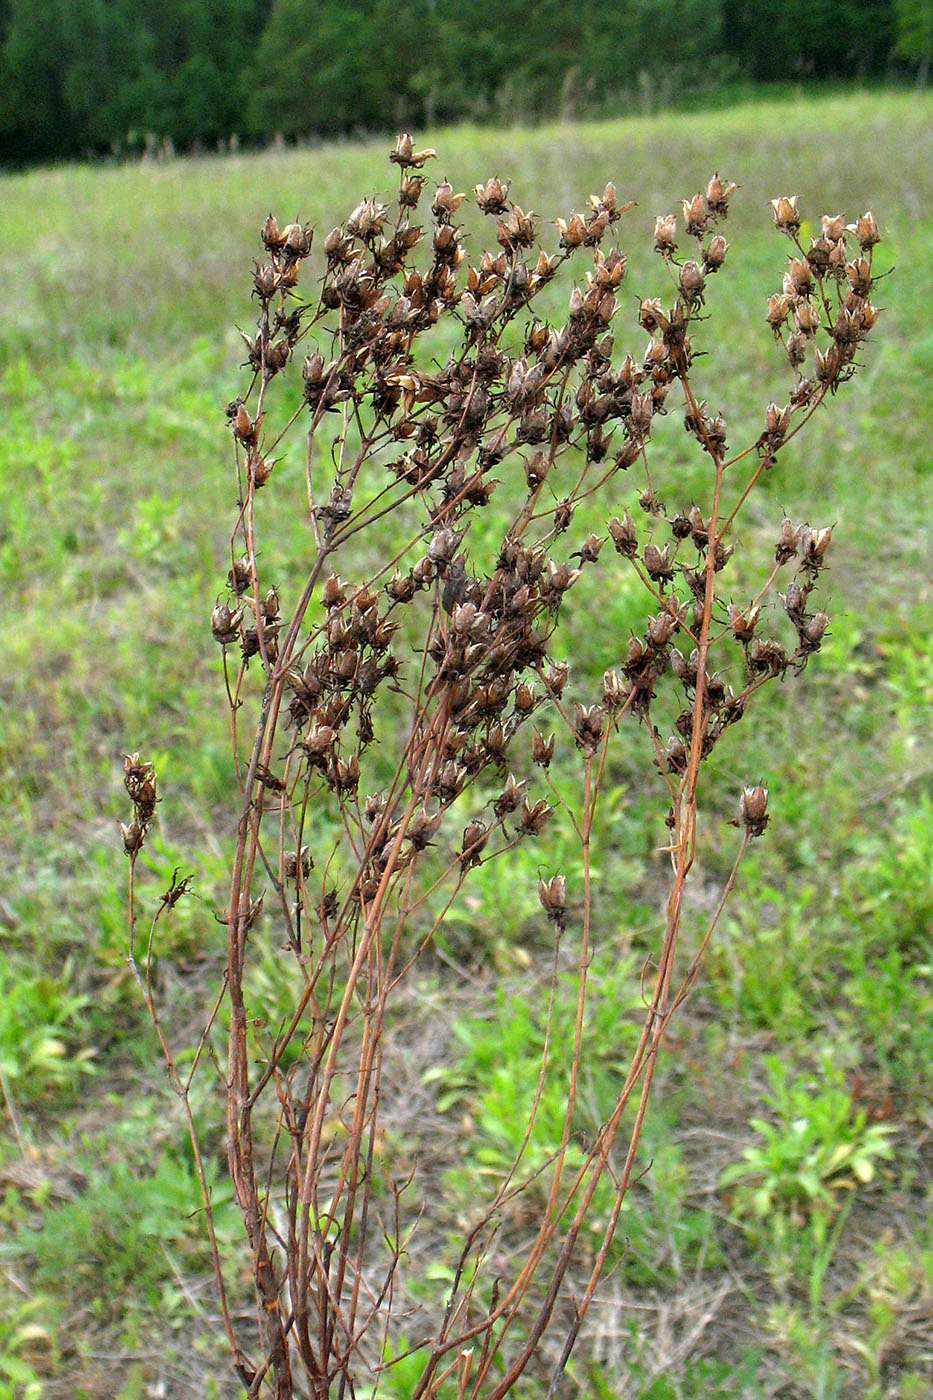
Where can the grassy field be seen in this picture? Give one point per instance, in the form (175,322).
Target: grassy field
(806,1050)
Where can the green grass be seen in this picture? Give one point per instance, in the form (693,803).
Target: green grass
(118,351)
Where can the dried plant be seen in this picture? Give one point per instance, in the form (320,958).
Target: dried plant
(395,728)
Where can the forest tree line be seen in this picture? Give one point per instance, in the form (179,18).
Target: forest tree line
(99,77)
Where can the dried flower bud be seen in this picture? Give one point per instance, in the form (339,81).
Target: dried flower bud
(641,411)
(596,227)
(743,622)
(698,528)
(806,317)
(319,741)
(795,601)
(696,214)
(409,193)
(401,588)
(293,861)
(297,240)
(870,315)
(797,349)
(443,546)
(139,779)
(777,421)
(404,154)
(346,665)
(786,215)
(553,896)
(225,624)
(313,372)
(334,591)
(588,723)
(715,253)
(615,692)
(475,836)
(556,677)
(754,810)
(260,469)
(658,562)
(683,668)
(572,232)
(367,220)
(558,579)
(445,201)
(524,698)
(660,629)
(492,197)
(858,275)
(665,233)
(833,226)
(651,315)
(827,364)
(813,631)
(518,231)
(766,658)
(675,755)
(265,281)
(243,426)
(691,280)
(270,233)
(722,554)
(627,454)
(133,837)
(778,310)
(534,816)
(607,201)
(422,828)
(542,750)
(624,535)
(813,546)
(404,145)
(346,774)
(789,542)
(866,231)
(563,515)
(589,550)
(509,798)
(718,195)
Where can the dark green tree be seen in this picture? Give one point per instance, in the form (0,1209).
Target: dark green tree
(37,52)
(207,51)
(914,27)
(78,77)
(82,77)
(802,39)
(326,67)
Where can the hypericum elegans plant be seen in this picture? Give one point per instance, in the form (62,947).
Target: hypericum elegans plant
(402,713)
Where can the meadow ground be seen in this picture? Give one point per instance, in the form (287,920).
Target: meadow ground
(811,1275)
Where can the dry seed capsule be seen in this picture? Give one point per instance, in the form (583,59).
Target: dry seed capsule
(786,214)
(754,810)
(542,750)
(553,896)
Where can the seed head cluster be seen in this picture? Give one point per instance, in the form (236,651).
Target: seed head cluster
(520,391)
(479,449)
(139,779)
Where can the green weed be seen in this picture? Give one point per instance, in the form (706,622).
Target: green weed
(40,1031)
(816,1145)
(27,1349)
